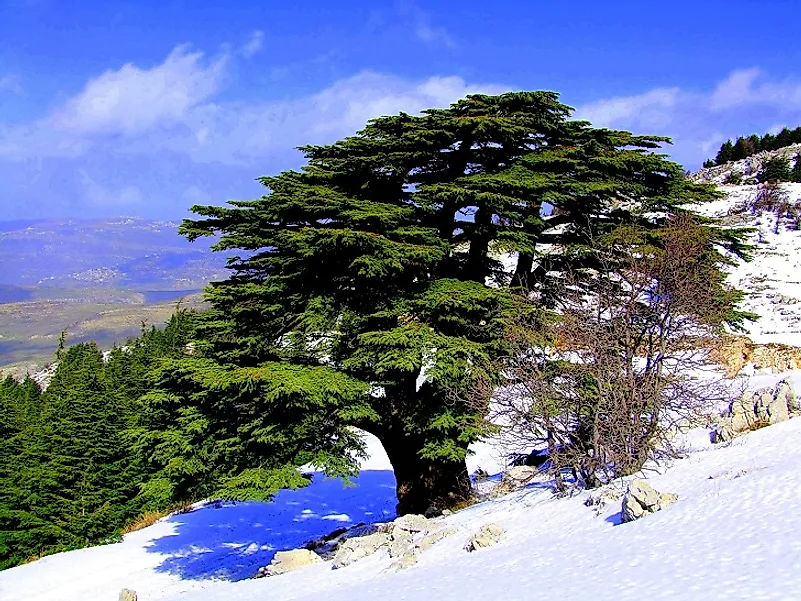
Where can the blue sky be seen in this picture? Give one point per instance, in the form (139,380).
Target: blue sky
(143,108)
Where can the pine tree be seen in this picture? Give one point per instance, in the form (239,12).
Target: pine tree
(725,154)
(709,163)
(795,174)
(775,169)
(361,272)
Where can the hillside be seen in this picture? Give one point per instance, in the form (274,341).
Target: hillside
(96,279)
(731,535)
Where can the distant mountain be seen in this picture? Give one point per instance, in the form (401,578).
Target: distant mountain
(127,253)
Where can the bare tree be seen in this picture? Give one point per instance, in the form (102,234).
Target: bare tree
(602,382)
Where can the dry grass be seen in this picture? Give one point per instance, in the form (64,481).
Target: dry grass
(148,518)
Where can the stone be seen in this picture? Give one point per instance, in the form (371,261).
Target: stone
(642,499)
(602,498)
(516,477)
(288,561)
(487,536)
(432,539)
(354,549)
(406,561)
(412,523)
(127,594)
(786,393)
(402,542)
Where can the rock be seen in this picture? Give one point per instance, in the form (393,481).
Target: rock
(407,560)
(754,410)
(771,408)
(446,512)
(412,523)
(487,536)
(602,498)
(786,393)
(642,499)
(288,561)
(402,542)
(432,539)
(354,549)
(127,594)
(516,477)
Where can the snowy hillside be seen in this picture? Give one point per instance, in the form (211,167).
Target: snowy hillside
(733,534)
(773,278)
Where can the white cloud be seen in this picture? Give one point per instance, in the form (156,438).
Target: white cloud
(254,45)
(745,101)
(651,109)
(749,87)
(132,100)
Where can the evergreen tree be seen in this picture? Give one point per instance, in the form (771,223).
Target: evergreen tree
(709,163)
(795,174)
(361,271)
(740,150)
(784,138)
(726,153)
(775,169)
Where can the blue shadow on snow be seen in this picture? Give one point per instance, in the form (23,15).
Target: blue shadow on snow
(232,540)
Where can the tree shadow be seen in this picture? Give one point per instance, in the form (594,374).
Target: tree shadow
(230,541)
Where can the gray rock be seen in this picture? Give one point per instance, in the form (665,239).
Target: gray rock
(402,542)
(412,523)
(432,539)
(354,549)
(487,536)
(127,594)
(642,499)
(288,561)
(407,560)
(786,393)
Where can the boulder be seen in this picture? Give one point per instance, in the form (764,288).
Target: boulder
(516,477)
(354,549)
(412,523)
(127,594)
(487,536)
(401,543)
(432,539)
(288,561)
(754,410)
(407,560)
(786,393)
(642,499)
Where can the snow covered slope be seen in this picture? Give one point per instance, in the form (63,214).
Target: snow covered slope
(733,534)
(773,278)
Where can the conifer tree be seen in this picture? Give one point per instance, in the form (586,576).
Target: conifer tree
(795,174)
(370,282)
(726,153)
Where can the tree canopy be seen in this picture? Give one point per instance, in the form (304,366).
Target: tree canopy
(370,282)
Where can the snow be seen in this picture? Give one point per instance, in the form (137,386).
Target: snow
(733,534)
(773,278)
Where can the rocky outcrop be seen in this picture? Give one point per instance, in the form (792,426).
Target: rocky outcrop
(642,499)
(289,561)
(756,409)
(487,536)
(127,594)
(735,353)
(354,549)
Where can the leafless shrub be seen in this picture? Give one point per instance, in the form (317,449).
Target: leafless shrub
(772,198)
(604,382)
